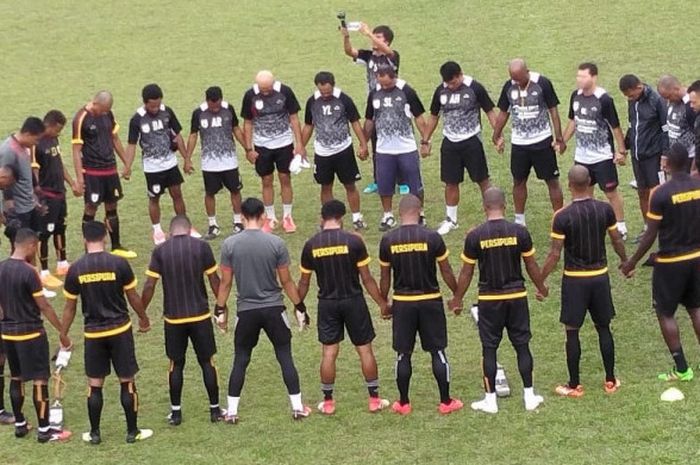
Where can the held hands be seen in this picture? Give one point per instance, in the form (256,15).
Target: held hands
(302,316)
(144,325)
(126,173)
(620,158)
(559,146)
(363,153)
(220,317)
(188,168)
(455,306)
(66,343)
(500,143)
(542,294)
(251,155)
(627,269)
(385,310)
(77,189)
(425,147)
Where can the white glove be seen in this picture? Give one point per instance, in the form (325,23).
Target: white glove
(305,164)
(295,165)
(63,358)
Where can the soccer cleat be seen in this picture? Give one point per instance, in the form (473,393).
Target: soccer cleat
(212,233)
(237,227)
(48,294)
(139,435)
(404,409)
(288,224)
(49,280)
(22,430)
(446,226)
(53,435)
(6,418)
(502,386)
(269,225)
(371,188)
(452,406)
(485,405)
(158,237)
(612,386)
(194,233)
(327,407)
(93,438)
(565,390)
(359,224)
(404,189)
(532,402)
(638,238)
(124,253)
(423,221)
(175,417)
(377,404)
(231,419)
(675,375)
(301,414)
(217,414)
(387,223)
(62,269)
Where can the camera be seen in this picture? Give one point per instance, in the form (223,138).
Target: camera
(341,17)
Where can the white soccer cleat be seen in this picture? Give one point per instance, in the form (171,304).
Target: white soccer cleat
(532,402)
(446,226)
(485,405)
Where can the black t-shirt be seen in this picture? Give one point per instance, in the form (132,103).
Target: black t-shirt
(373,62)
(595,117)
(20,285)
(582,225)
(498,246)
(270,115)
(181,263)
(412,252)
(155,132)
(100,279)
(461,108)
(95,133)
(392,111)
(676,204)
(47,158)
(331,118)
(335,255)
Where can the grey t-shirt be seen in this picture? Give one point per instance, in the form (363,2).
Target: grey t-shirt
(18,160)
(254,257)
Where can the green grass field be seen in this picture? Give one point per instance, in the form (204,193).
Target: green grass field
(57,54)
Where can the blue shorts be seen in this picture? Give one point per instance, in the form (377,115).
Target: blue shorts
(394,167)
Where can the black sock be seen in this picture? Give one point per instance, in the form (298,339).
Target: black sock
(289,371)
(41,405)
(525,364)
(441,372)
(59,243)
(95,403)
(113,228)
(2,386)
(175,381)
(607,350)
(404,370)
(373,387)
(130,404)
(241,359)
(489,366)
(44,254)
(17,400)
(679,359)
(211,380)
(327,390)
(87,218)
(573,356)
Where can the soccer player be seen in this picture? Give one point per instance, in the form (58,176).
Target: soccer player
(410,254)
(95,139)
(694,100)
(181,262)
(680,116)
(499,246)
(260,264)
(24,337)
(647,137)
(52,177)
(531,100)
(674,215)
(156,128)
(580,229)
(102,281)
(340,260)
(216,121)
(460,99)
(330,111)
(593,118)
(390,110)
(273,136)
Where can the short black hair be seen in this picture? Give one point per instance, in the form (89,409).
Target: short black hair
(450,70)
(33,125)
(677,157)
(324,77)
(694,87)
(54,118)
(333,210)
(385,31)
(151,92)
(252,208)
(214,94)
(180,221)
(629,82)
(94,231)
(26,235)
(592,68)
(386,70)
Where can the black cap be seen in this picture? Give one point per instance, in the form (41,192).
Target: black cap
(214,94)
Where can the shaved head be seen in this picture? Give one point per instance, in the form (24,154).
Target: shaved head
(517,64)
(670,88)
(410,205)
(102,102)
(668,82)
(494,199)
(264,79)
(579,178)
(517,67)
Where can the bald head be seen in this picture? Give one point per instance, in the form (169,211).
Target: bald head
(409,207)
(265,79)
(517,67)
(579,178)
(670,88)
(494,199)
(102,101)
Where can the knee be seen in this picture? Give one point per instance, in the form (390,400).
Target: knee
(177,364)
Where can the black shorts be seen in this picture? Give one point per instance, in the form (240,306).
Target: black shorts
(28,360)
(511,314)
(468,154)
(117,350)
(676,283)
(214,181)
(16,221)
(102,188)
(604,174)
(342,164)
(201,333)
(581,294)
(334,316)
(540,156)
(156,183)
(269,159)
(646,171)
(423,317)
(55,219)
(273,320)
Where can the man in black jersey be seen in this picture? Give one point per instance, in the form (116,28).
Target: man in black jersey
(410,254)
(102,281)
(24,337)
(340,260)
(674,215)
(182,262)
(580,229)
(499,246)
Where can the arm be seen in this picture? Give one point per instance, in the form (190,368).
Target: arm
(135,301)
(556,126)
(368,128)
(303,286)
(384,281)
(373,290)
(128,159)
(47,310)
(621,152)
(447,274)
(644,245)
(569,131)
(533,270)
(430,124)
(463,282)
(78,165)
(119,148)
(239,136)
(499,124)
(364,149)
(347,46)
(222,296)
(149,288)
(618,244)
(492,117)
(250,152)
(214,283)
(191,143)
(306,133)
(69,309)
(288,284)
(552,258)
(300,147)
(380,45)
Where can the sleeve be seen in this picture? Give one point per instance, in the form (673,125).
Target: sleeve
(307,259)
(441,252)
(290,103)
(384,252)
(34,284)
(572,115)
(134,129)
(609,111)
(558,226)
(247,106)
(550,96)
(435,106)
(226,256)
(470,253)
(208,260)
(414,102)
(656,205)
(369,111)
(527,249)
(395,62)
(360,252)
(154,266)
(126,275)
(482,96)
(662,112)
(175,125)
(77,137)
(308,117)
(71,288)
(194,124)
(351,112)
(363,56)
(503,102)
(282,254)
(690,117)
(610,219)
(115,125)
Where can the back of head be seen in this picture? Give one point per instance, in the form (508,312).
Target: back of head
(94,231)
(677,158)
(629,82)
(33,126)
(25,236)
(151,92)
(213,94)
(180,224)
(324,77)
(333,210)
(55,118)
(494,199)
(103,98)
(410,205)
(579,178)
(252,208)
(668,82)
(450,70)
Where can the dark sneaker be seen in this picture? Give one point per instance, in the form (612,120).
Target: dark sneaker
(212,233)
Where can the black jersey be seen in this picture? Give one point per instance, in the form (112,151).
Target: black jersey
(21,317)
(155,133)
(216,129)
(95,134)
(595,117)
(331,118)
(392,111)
(374,61)
(47,159)
(270,115)
(461,108)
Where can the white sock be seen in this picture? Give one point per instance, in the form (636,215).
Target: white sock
(45,272)
(270,212)
(295,399)
(528,392)
(452,212)
(232,405)
(157,228)
(356,216)
(286,210)
(63,263)
(175,408)
(622,227)
(520,218)
(387,215)
(237,218)
(212,221)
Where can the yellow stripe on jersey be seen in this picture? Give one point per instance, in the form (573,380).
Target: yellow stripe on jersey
(512,295)
(38,293)
(110,332)
(20,337)
(529,253)
(678,258)
(585,273)
(131,285)
(384,263)
(612,228)
(116,128)
(554,235)
(470,261)
(410,247)
(189,319)
(152,274)
(509,241)
(68,295)
(364,262)
(330,251)
(444,256)
(77,139)
(211,270)
(653,216)
(415,298)
(304,270)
